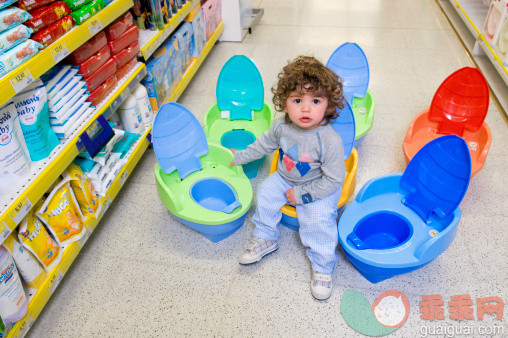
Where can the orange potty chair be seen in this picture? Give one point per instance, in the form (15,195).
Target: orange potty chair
(459,107)
(344,125)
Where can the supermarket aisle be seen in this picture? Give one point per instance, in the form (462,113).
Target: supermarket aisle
(144,274)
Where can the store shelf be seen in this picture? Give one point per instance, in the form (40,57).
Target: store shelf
(151,40)
(26,73)
(196,63)
(467,18)
(39,300)
(41,178)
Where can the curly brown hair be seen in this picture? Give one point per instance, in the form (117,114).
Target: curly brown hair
(306,74)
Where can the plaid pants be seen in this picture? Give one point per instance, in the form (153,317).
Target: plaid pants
(318,224)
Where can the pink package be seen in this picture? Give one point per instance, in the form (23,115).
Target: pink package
(126,54)
(94,62)
(119,26)
(128,37)
(100,75)
(88,49)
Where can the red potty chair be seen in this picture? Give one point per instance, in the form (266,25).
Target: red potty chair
(459,107)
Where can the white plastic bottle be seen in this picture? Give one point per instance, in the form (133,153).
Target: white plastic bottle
(145,108)
(130,115)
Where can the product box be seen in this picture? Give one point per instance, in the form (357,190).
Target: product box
(159,78)
(212,11)
(197,21)
(175,62)
(495,17)
(185,44)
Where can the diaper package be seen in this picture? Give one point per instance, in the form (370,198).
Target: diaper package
(32,108)
(35,238)
(83,190)
(45,16)
(12,17)
(14,37)
(62,215)
(29,268)
(14,164)
(17,55)
(13,300)
(5,3)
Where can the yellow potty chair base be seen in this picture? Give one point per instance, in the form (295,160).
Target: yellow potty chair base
(194,179)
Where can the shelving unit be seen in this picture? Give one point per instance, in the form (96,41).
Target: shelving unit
(19,78)
(151,40)
(58,165)
(467,18)
(14,210)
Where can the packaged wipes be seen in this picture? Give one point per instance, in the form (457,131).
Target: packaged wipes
(83,190)
(14,166)
(14,37)
(35,238)
(32,107)
(17,55)
(29,268)
(62,215)
(12,17)
(13,300)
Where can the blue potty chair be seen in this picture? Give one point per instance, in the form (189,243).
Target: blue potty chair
(350,63)
(240,114)
(344,125)
(194,179)
(400,222)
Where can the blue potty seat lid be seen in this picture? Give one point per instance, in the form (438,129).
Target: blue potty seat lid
(344,125)
(437,177)
(240,88)
(349,62)
(178,140)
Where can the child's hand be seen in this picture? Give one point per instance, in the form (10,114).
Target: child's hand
(290,194)
(233,151)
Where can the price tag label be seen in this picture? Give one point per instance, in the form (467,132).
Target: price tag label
(22,80)
(57,278)
(85,238)
(105,205)
(21,210)
(25,325)
(59,52)
(4,231)
(95,26)
(123,177)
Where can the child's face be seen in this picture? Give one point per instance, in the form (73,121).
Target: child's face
(306,110)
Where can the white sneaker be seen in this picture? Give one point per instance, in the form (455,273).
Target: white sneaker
(321,285)
(256,249)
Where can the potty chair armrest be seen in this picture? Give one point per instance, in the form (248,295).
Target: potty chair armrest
(170,198)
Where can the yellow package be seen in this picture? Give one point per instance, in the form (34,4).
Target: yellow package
(83,190)
(28,266)
(61,214)
(35,238)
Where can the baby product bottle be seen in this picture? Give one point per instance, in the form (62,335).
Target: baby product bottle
(13,300)
(144,106)
(130,115)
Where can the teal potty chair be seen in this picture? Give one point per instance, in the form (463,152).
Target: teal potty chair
(193,177)
(349,62)
(240,114)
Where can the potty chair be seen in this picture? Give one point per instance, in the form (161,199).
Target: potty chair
(459,107)
(240,114)
(350,64)
(194,179)
(344,125)
(400,222)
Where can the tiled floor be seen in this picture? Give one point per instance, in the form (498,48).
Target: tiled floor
(142,273)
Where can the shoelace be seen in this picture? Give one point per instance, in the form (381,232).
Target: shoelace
(322,279)
(254,243)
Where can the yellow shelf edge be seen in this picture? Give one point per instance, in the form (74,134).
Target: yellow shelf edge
(45,179)
(468,18)
(44,60)
(154,43)
(192,69)
(40,299)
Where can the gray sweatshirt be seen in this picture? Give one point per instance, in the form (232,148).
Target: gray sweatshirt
(312,161)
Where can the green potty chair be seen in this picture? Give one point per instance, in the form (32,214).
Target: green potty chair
(350,64)
(240,114)
(194,179)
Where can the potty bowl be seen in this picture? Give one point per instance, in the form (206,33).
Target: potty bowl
(344,125)
(349,62)
(400,222)
(240,114)
(194,179)
(459,107)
